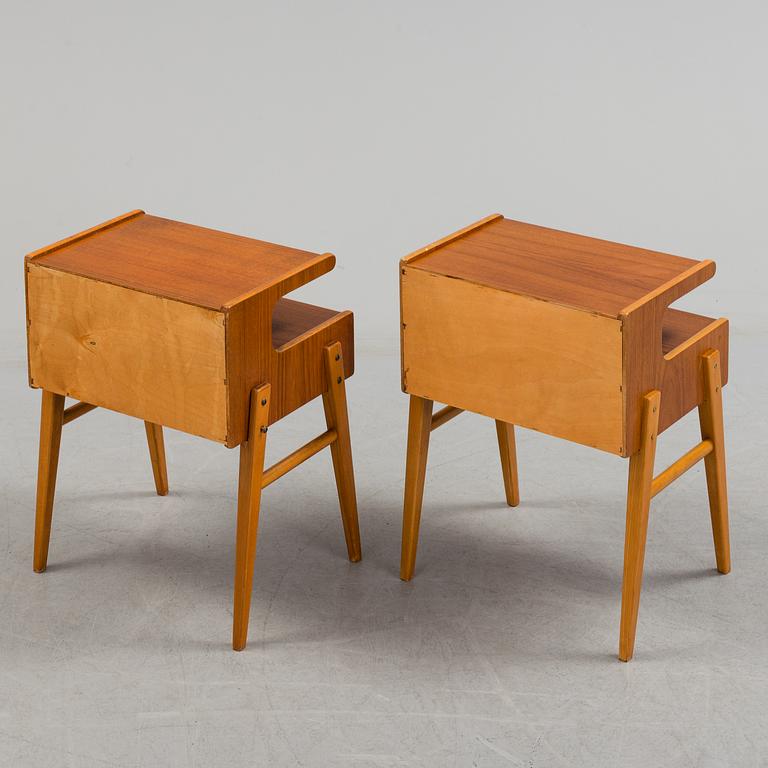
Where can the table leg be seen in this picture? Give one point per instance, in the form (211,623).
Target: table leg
(51,422)
(157,456)
(335,405)
(711,422)
(508,453)
(248,502)
(638,505)
(419,427)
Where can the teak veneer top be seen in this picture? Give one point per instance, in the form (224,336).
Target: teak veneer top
(184,262)
(572,270)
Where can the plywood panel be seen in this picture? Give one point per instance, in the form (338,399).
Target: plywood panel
(663,349)
(513,358)
(650,364)
(150,357)
(295,369)
(682,383)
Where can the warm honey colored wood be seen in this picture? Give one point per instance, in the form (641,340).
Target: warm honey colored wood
(183,262)
(299,456)
(635,286)
(678,284)
(157,456)
(411,257)
(53,417)
(638,505)
(711,422)
(568,269)
(146,356)
(676,373)
(76,411)
(48,249)
(524,361)
(419,427)
(51,422)
(678,328)
(444,415)
(295,367)
(661,349)
(335,406)
(187,327)
(681,466)
(186,270)
(293,319)
(421,422)
(508,454)
(572,336)
(248,503)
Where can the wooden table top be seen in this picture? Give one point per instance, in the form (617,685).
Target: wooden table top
(181,261)
(573,270)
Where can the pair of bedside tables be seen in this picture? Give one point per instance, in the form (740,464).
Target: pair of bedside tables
(187,327)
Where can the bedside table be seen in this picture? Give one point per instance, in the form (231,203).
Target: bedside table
(187,327)
(571,336)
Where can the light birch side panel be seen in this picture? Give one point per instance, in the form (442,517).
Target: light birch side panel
(513,358)
(159,360)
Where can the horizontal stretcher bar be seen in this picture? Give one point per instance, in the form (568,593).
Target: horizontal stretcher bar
(444,415)
(76,410)
(299,456)
(682,465)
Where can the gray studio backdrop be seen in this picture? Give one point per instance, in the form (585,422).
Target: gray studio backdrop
(369,129)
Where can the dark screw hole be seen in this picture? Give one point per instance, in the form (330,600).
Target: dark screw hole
(264,402)
(338,381)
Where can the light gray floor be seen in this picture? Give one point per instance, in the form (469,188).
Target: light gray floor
(501,652)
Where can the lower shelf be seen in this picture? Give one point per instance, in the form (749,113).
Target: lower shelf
(294,318)
(679,326)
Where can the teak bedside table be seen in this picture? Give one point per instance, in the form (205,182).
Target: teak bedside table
(571,336)
(186,327)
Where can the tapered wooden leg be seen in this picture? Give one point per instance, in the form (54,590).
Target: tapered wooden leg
(335,405)
(157,456)
(419,427)
(248,501)
(508,453)
(711,421)
(638,505)
(51,422)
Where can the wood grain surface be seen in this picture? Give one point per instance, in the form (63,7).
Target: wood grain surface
(561,267)
(180,261)
(296,368)
(638,506)
(677,327)
(291,319)
(711,424)
(146,356)
(121,316)
(513,358)
(671,366)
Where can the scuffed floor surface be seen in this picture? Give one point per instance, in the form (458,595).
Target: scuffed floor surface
(501,651)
